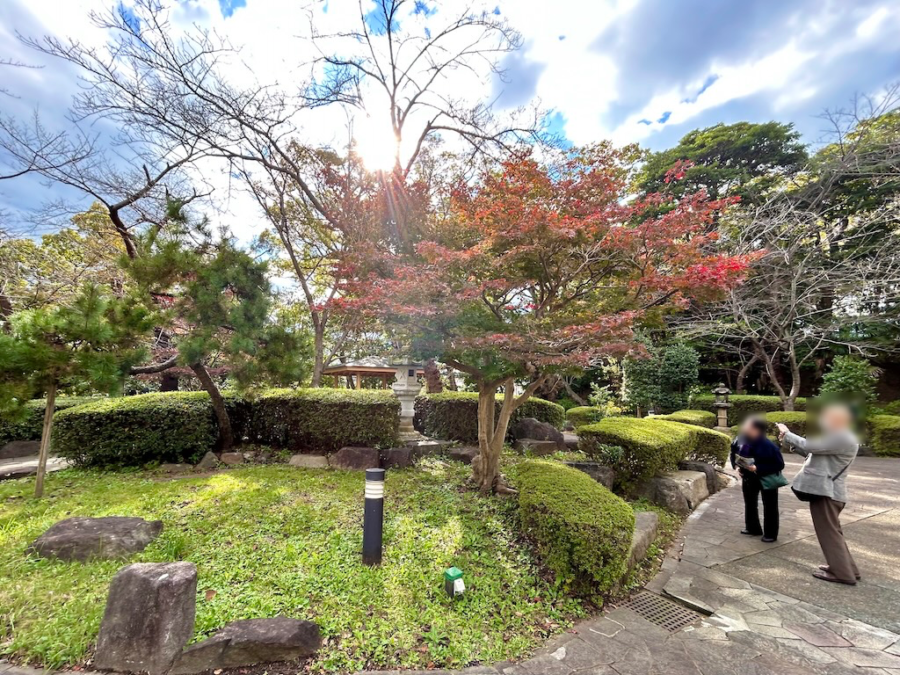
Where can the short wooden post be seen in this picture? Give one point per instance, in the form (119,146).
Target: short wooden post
(45,440)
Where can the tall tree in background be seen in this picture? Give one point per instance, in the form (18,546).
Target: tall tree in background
(94,338)
(726,160)
(536,270)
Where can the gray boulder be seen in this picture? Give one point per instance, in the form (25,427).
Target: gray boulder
(176,468)
(599,472)
(249,642)
(231,458)
(646,525)
(571,441)
(528,427)
(91,538)
(531,447)
(20,449)
(397,458)
(309,461)
(679,491)
(432,447)
(463,453)
(712,480)
(355,459)
(208,463)
(149,617)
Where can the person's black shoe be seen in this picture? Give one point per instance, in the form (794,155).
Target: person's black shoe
(752,534)
(768,540)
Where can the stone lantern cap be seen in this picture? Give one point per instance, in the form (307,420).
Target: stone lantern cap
(721,393)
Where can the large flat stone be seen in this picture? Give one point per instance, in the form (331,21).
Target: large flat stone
(92,538)
(712,479)
(531,447)
(20,449)
(309,461)
(250,642)
(463,453)
(149,617)
(600,473)
(231,458)
(355,459)
(679,491)
(397,458)
(646,525)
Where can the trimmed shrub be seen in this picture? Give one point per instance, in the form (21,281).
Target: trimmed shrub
(884,435)
(583,415)
(135,430)
(892,408)
(743,405)
(28,425)
(710,446)
(648,446)
(697,418)
(795,421)
(325,420)
(582,531)
(453,415)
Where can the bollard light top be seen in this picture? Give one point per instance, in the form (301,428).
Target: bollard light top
(452,574)
(375,474)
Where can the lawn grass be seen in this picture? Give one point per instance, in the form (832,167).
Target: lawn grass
(276,540)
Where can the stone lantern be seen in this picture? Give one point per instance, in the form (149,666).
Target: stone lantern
(406,387)
(722,405)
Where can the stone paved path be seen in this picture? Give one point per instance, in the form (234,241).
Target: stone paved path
(19,467)
(763,614)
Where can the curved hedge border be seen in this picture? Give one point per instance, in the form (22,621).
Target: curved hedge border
(648,446)
(453,416)
(698,418)
(28,425)
(743,405)
(583,415)
(325,420)
(135,430)
(582,530)
(710,446)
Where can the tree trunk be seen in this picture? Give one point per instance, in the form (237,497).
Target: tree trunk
(451,380)
(319,362)
(742,375)
(433,384)
(226,438)
(45,440)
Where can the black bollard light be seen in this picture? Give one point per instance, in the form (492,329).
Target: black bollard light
(373,517)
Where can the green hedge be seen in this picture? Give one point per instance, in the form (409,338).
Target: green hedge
(28,424)
(710,446)
(582,531)
(583,415)
(743,405)
(697,418)
(795,421)
(892,408)
(135,430)
(884,435)
(325,420)
(453,416)
(648,446)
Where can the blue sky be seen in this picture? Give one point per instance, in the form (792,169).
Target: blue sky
(643,71)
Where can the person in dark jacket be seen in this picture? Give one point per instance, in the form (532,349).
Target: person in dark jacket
(755,456)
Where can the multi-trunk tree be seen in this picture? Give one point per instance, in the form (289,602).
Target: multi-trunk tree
(539,268)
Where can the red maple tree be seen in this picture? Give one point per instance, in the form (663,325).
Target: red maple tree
(539,268)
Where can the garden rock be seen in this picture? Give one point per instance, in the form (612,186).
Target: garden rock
(176,468)
(231,458)
(712,480)
(599,472)
(149,617)
(430,448)
(646,525)
(355,459)
(249,642)
(679,491)
(397,458)
(530,428)
(208,463)
(571,440)
(85,539)
(532,447)
(463,453)
(20,449)
(309,461)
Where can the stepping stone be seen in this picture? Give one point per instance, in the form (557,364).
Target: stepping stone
(106,538)
(249,642)
(149,617)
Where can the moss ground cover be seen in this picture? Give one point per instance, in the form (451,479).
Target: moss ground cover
(277,540)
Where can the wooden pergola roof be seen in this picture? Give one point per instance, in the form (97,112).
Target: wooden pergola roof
(371,366)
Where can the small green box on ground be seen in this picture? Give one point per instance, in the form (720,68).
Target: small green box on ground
(453,582)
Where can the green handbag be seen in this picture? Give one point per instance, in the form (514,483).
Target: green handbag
(773,481)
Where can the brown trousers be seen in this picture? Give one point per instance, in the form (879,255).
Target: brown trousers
(826,520)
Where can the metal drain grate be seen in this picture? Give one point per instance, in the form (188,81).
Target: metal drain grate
(656,609)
